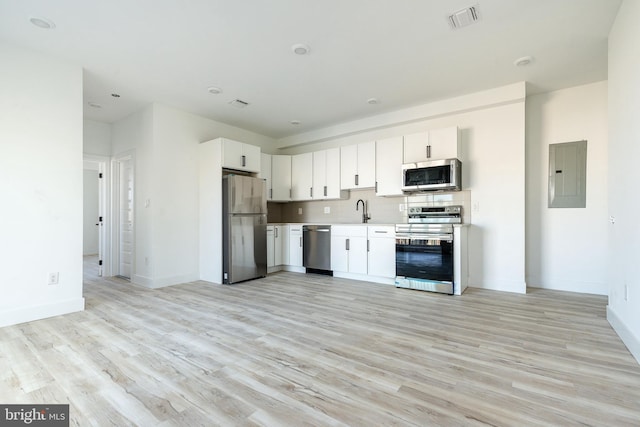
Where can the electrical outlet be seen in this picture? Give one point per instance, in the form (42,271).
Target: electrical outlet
(54,278)
(299,211)
(476,206)
(327,209)
(401,207)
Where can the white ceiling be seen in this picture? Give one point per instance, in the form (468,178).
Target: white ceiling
(401,52)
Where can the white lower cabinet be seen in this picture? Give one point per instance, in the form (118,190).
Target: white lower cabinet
(275,247)
(270,246)
(349,249)
(382,251)
(295,247)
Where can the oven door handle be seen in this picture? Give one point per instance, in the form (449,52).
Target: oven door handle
(445,237)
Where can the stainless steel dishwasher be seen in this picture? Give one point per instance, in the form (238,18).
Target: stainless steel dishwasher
(316,247)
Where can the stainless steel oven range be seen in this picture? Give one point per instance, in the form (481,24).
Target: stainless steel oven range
(424,248)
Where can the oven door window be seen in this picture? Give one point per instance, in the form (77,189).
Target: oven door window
(430,259)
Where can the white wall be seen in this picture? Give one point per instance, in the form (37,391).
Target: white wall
(623,267)
(96,138)
(492,125)
(41,186)
(566,248)
(134,135)
(90,213)
(165,141)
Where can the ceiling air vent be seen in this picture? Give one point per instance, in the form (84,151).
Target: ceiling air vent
(464,17)
(239,103)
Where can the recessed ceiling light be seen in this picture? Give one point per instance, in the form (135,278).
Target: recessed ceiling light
(115,95)
(43,23)
(94,105)
(214,90)
(523,62)
(372,101)
(295,122)
(300,49)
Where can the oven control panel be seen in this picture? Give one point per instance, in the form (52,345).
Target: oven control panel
(435,214)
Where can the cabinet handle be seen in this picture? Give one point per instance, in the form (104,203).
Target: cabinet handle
(346,244)
(310,191)
(376,186)
(300,241)
(367,245)
(428,151)
(290,193)
(356,179)
(325,191)
(276,231)
(244,161)
(271,193)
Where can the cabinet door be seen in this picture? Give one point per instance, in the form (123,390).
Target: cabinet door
(382,251)
(252,158)
(444,143)
(240,156)
(301,176)
(339,253)
(319,175)
(232,154)
(358,255)
(270,246)
(348,166)
(333,173)
(281,178)
(284,241)
(415,147)
(265,173)
(277,245)
(389,167)
(295,245)
(366,165)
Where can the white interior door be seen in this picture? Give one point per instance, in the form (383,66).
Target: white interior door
(124,223)
(95,208)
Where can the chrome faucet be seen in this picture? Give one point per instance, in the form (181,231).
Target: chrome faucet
(365,217)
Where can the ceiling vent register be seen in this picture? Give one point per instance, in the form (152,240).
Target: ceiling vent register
(239,103)
(464,17)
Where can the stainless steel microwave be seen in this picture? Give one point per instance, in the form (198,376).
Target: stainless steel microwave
(436,175)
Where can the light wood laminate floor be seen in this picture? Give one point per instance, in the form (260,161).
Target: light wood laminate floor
(301,350)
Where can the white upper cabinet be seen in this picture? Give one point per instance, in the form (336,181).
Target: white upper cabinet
(435,144)
(326,174)
(301,176)
(281,178)
(240,156)
(389,166)
(357,166)
(265,173)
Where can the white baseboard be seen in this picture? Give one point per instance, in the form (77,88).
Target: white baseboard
(162,282)
(501,285)
(31,313)
(628,338)
(365,278)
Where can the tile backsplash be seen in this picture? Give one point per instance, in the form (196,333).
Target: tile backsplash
(383,210)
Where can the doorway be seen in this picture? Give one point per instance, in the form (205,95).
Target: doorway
(95,208)
(123,221)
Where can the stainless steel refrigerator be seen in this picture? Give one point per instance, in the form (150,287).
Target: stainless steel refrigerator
(244,228)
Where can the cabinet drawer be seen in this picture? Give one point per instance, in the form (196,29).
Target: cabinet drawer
(381,231)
